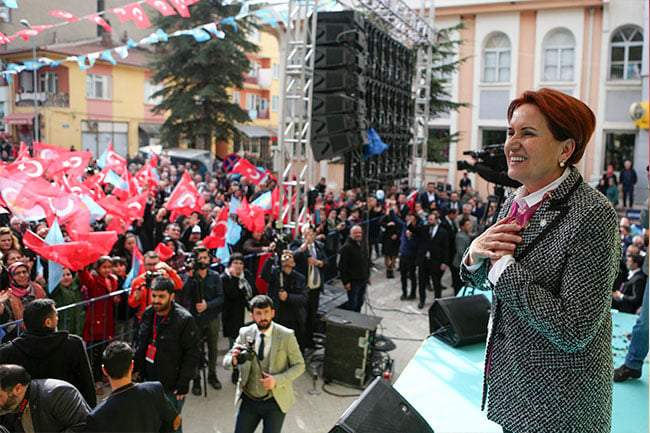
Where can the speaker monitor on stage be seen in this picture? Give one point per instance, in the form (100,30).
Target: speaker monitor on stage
(461,320)
(381,409)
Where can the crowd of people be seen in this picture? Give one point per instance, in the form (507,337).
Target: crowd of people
(92,330)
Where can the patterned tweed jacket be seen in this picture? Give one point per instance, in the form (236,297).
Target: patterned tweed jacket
(550,326)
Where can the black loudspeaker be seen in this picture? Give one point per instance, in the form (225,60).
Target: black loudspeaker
(381,409)
(461,320)
(349,338)
(333,145)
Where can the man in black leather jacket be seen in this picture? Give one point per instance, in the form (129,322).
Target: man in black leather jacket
(39,405)
(168,343)
(47,353)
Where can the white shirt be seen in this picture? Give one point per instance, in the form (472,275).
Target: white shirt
(267,341)
(522,199)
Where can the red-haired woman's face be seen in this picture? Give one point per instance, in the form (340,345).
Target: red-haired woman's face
(533,154)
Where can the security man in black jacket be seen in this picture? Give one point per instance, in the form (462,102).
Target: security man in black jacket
(168,343)
(203,296)
(288,290)
(354,268)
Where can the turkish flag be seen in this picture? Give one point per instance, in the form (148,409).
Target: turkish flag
(164,252)
(71,163)
(245,168)
(138,16)
(63,14)
(48,151)
(114,161)
(135,205)
(27,168)
(146,176)
(97,19)
(251,216)
(181,6)
(23,152)
(4,39)
(82,251)
(217,237)
(114,207)
(162,7)
(185,198)
(262,285)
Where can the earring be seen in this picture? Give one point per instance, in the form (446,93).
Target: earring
(562,164)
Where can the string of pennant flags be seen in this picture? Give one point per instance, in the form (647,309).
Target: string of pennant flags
(270,15)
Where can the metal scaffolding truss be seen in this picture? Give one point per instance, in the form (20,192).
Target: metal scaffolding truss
(414,29)
(296,161)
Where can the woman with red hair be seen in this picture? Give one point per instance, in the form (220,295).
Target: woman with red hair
(551,260)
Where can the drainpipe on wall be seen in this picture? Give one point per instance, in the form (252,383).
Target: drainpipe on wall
(590,41)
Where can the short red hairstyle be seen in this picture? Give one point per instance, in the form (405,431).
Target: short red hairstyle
(567,117)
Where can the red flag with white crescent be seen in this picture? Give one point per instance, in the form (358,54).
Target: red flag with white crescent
(71,163)
(63,14)
(217,236)
(163,7)
(245,168)
(97,19)
(185,198)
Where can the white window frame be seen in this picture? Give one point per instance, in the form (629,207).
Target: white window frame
(503,63)
(48,82)
(275,103)
(91,86)
(276,71)
(149,89)
(561,52)
(253,101)
(236,97)
(628,66)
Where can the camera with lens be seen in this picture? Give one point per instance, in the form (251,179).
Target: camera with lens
(279,238)
(192,263)
(150,276)
(247,353)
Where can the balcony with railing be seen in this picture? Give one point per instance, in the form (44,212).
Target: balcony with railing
(45,99)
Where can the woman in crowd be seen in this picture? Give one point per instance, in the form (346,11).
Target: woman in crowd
(20,292)
(100,317)
(67,292)
(550,259)
(8,241)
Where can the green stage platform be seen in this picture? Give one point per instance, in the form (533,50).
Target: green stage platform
(444,384)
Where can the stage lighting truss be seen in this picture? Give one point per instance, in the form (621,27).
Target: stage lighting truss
(296,163)
(413,28)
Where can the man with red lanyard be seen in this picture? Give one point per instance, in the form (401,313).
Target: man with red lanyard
(140,294)
(167,347)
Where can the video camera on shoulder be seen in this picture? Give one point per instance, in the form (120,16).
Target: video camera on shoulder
(192,263)
(280,238)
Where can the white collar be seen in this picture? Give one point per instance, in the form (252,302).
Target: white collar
(267,333)
(531,200)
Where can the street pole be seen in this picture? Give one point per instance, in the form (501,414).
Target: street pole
(35,76)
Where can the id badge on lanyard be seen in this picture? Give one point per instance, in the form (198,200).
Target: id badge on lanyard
(151,348)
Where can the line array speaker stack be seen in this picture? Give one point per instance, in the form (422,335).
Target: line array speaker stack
(362,80)
(338,107)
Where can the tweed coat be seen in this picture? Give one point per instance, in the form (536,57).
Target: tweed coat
(550,326)
(286,363)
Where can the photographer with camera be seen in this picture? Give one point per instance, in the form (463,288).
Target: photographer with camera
(288,290)
(203,296)
(269,360)
(140,296)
